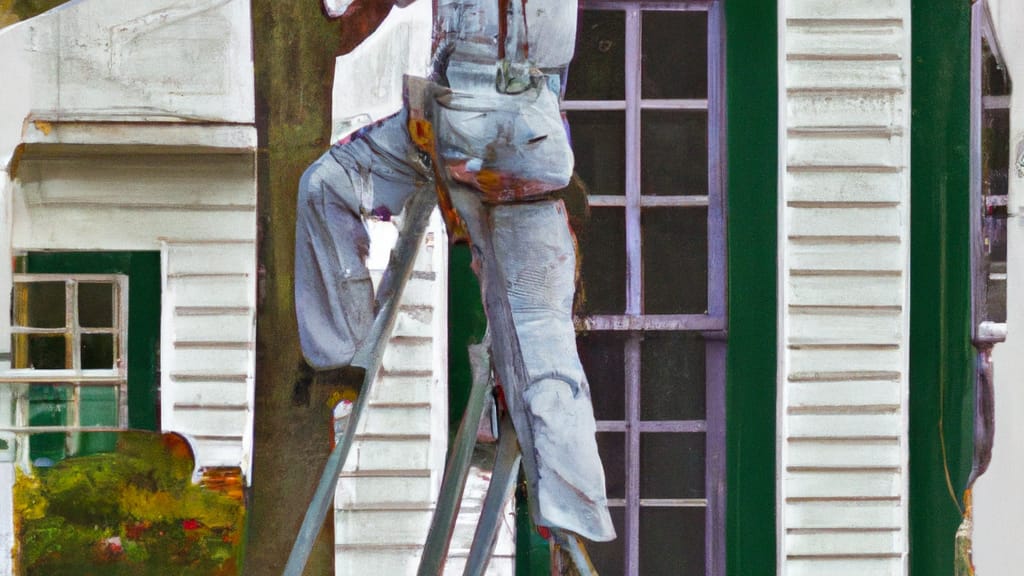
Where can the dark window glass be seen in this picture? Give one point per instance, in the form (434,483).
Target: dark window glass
(675,152)
(598,68)
(673,376)
(612,447)
(672,541)
(97,351)
(608,557)
(95,305)
(675,260)
(672,465)
(599,145)
(602,241)
(995,80)
(41,352)
(604,363)
(43,303)
(675,54)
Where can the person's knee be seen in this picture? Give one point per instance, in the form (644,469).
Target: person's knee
(311,191)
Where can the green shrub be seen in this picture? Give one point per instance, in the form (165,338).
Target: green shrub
(134,511)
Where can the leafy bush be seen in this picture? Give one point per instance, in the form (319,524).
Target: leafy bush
(131,512)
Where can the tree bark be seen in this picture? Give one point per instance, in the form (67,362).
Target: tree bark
(294,53)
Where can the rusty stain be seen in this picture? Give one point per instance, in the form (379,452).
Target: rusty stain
(43,126)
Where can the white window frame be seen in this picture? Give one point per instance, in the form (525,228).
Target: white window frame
(21,380)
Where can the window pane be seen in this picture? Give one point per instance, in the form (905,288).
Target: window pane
(599,145)
(672,541)
(672,465)
(598,69)
(603,357)
(675,152)
(675,260)
(675,54)
(48,406)
(673,376)
(98,351)
(994,190)
(98,406)
(612,447)
(40,304)
(41,352)
(95,305)
(608,557)
(602,241)
(995,80)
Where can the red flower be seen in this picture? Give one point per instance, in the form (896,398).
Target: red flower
(190,524)
(135,531)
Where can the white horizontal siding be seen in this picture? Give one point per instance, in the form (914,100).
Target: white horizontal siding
(200,212)
(843,287)
(844,9)
(870,483)
(846,565)
(132,203)
(209,340)
(389,486)
(850,109)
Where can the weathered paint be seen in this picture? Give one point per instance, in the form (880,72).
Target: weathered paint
(941,364)
(293,66)
(752,117)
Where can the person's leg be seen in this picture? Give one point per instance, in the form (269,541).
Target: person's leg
(535,250)
(374,171)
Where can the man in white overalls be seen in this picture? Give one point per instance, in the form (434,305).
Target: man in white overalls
(491,136)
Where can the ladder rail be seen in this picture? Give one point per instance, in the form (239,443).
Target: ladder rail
(370,356)
(449,499)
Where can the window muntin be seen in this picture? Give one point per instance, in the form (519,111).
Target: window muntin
(68,372)
(644,102)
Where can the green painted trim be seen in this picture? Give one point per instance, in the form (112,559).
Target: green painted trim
(752,144)
(466,326)
(941,360)
(143,270)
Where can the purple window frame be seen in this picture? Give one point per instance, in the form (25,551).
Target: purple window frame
(982,30)
(712,324)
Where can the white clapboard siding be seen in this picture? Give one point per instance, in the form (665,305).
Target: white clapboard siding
(843,286)
(124,202)
(208,347)
(199,211)
(389,486)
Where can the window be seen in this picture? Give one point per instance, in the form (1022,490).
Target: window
(68,371)
(990,177)
(644,100)
(990,170)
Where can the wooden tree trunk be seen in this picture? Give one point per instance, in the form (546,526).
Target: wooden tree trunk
(295,47)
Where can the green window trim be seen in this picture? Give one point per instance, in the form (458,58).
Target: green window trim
(752,146)
(143,271)
(941,356)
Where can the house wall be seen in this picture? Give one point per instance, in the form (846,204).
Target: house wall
(998,498)
(129,126)
(843,286)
